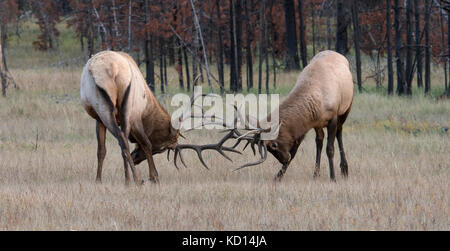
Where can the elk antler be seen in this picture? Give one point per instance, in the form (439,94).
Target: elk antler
(219,147)
(262,148)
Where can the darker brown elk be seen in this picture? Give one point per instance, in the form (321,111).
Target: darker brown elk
(116,95)
(322,98)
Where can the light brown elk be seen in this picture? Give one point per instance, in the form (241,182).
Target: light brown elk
(115,93)
(322,97)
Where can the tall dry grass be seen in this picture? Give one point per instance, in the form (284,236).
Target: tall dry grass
(398,176)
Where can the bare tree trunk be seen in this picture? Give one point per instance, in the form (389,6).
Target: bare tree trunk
(303,49)
(409,48)
(82,42)
(292,60)
(249,57)
(443,46)
(5,77)
(356,41)
(200,68)
(418,44)
(233,51)
(398,49)
(262,12)
(171,51)
(341,29)
(103,28)
(2,71)
(161,64)
(448,47)
(3,46)
(130,8)
(165,67)
(116,23)
(149,63)
(186,65)
(148,51)
(220,66)
(389,49)
(427,47)
(313,26)
(90,30)
(274,66)
(194,58)
(274,60)
(266,54)
(205,57)
(180,66)
(328,32)
(235,48)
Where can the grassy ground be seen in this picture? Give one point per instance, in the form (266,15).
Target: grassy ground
(397,149)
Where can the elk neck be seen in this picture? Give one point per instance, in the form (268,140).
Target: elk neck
(156,120)
(297,116)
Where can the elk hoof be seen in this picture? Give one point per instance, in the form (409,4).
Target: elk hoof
(316,175)
(344,170)
(154,180)
(278,177)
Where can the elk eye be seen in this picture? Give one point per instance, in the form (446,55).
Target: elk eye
(274,145)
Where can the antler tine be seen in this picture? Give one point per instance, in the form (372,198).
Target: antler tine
(219,147)
(178,152)
(244,136)
(262,151)
(252,145)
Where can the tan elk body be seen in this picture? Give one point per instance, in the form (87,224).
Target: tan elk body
(115,93)
(322,97)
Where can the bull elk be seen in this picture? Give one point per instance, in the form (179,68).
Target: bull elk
(322,97)
(115,94)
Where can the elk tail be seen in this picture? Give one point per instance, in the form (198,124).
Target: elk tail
(124,105)
(107,98)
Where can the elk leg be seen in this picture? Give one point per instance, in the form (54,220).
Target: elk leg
(109,120)
(146,146)
(293,151)
(331,129)
(282,172)
(101,149)
(122,138)
(344,165)
(127,173)
(127,156)
(319,146)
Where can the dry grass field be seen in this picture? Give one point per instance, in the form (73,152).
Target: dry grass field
(398,152)
(399,171)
